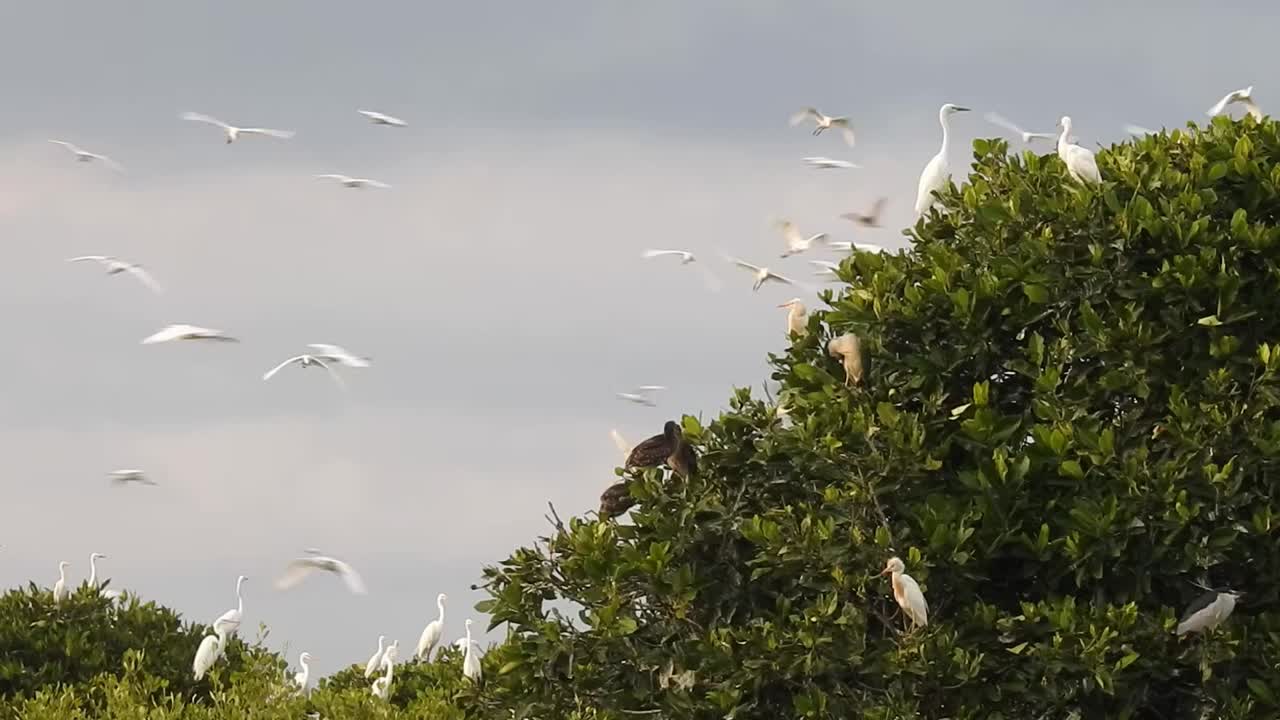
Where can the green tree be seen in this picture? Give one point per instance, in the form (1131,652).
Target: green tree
(1071,412)
(435,687)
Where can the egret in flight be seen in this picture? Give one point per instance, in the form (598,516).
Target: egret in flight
(431,634)
(643,395)
(825,122)
(827,268)
(797,317)
(851,246)
(797,243)
(762,274)
(1079,161)
(378,118)
(871,218)
(122,477)
(685,256)
(1243,96)
(187,332)
(937,173)
(115,266)
(1026,136)
(83,155)
(340,355)
(305,361)
(907,592)
(826,163)
(232,132)
(299,569)
(353,182)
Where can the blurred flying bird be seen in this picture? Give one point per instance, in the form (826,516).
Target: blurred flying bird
(850,246)
(340,355)
(871,218)
(797,243)
(642,395)
(686,257)
(232,132)
(299,569)
(305,361)
(187,332)
(1027,137)
(1244,97)
(85,156)
(378,118)
(352,182)
(115,266)
(825,122)
(762,274)
(122,477)
(827,268)
(826,163)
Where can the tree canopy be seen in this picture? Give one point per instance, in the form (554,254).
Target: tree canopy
(1069,417)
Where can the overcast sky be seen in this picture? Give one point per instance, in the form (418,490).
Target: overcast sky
(498,285)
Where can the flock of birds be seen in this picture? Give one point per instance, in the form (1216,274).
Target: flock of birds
(668,448)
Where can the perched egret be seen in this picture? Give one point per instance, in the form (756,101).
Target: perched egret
(797,317)
(382,686)
(340,355)
(392,654)
(85,156)
(353,182)
(825,163)
(299,569)
(642,395)
(669,447)
(1244,97)
(123,477)
(762,274)
(797,243)
(871,218)
(431,634)
(116,266)
(232,132)
(1027,137)
(1079,161)
(1208,611)
(937,173)
(615,500)
(376,661)
(378,118)
(825,122)
(187,332)
(470,661)
(60,587)
(907,592)
(303,361)
(211,648)
(229,622)
(848,348)
(301,678)
(93,568)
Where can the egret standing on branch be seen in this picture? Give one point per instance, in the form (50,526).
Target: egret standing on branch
(376,660)
(1079,161)
(797,317)
(848,348)
(229,622)
(211,647)
(470,660)
(60,587)
(937,173)
(907,592)
(432,632)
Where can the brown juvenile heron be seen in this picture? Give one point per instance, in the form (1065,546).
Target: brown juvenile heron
(615,500)
(669,447)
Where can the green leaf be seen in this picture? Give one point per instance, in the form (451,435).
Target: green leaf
(1036,293)
(1261,691)
(1209,321)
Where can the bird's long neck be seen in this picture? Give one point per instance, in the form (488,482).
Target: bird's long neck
(946,133)
(391,668)
(1063,139)
(440,607)
(93,570)
(62,573)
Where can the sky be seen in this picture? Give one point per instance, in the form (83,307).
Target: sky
(497,285)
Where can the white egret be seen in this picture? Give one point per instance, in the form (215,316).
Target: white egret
(685,256)
(622,444)
(376,661)
(470,661)
(229,622)
(848,348)
(1027,137)
(826,268)
(871,218)
(93,568)
(642,395)
(797,317)
(822,162)
(123,477)
(937,173)
(1079,161)
(187,332)
(300,679)
(299,569)
(382,686)
(907,592)
(1243,96)
(378,118)
(851,246)
(431,634)
(116,266)
(211,648)
(1208,611)
(797,243)
(305,360)
(392,654)
(232,132)
(353,182)
(762,274)
(85,156)
(60,587)
(461,643)
(339,355)
(825,122)
(1139,131)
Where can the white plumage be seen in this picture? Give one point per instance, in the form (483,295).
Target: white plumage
(299,569)
(937,173)
(376,661)
(1079,161)
(432,632)
(908,594)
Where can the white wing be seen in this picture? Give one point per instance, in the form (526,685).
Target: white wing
(659,253)
(282,134)
(1222,104)
(197,117)
(333,374)
(95,258)
(746,265)
(805,113)
(774,276)
(917,606)
(268,374)
(790,234)
(623,445)
(651,388)
(997,119)
(73,148)
(351,578)
(374,183)
(377,116)
(334,176)
(296,572)
(331,350)
(145,278)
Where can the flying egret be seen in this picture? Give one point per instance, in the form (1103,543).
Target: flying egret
(825,122)
(211,647)
(797,243)
(378,118)
(826,268)
(822,162)
(797,317)
(461,643)
(353,182)
(228,623)
(762,274)
(392,654)
(1243,96)
(232,132)
(669,447)
(615,500)
(116,266)
(299,569)
(60,587)
(1139,131)
(85,156)
(848,348)
(686,257)
(305,360)
(187,332)
(907,592)
(470,661)
(623,446)
(937,173)
(851,246)
(1027,137)
(123,477)
(381,687)
(431,634)
(339,355)
(871,218)
(301,678)
(1208,611)
(376,661)
(642,395)
(1079,161)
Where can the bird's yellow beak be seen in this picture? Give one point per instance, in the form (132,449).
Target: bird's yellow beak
(885,571)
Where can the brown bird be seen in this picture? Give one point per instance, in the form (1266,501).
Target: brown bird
(871,218)
(669,447)
(615,500)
